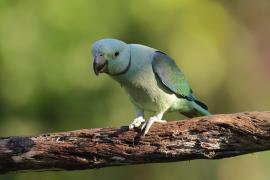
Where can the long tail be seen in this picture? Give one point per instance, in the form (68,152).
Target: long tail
(199,109)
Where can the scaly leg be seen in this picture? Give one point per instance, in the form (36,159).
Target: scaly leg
(146,126)
(139,118)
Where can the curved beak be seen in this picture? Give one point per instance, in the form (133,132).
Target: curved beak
(100,64)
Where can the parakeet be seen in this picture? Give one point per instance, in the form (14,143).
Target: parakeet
(151,79)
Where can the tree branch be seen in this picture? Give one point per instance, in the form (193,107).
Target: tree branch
(208,137)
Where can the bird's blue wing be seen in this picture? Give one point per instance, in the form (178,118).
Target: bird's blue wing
(171,76)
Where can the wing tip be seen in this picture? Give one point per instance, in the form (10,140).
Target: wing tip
(204,106)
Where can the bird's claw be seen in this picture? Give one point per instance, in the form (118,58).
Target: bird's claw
(147,124)
(136,123)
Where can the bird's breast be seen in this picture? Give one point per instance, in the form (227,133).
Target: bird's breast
(146,93)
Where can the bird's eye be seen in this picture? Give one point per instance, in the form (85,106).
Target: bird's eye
(116,53)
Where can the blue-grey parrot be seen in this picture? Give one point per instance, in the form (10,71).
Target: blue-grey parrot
(151,79)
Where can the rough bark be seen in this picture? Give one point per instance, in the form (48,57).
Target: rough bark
(208,137)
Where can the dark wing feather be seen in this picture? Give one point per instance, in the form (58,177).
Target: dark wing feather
(171,76)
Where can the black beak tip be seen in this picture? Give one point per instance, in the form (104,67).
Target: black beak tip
(100,68)
(95,69)
(96,73)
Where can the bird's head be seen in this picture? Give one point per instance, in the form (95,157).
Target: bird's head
(110,56)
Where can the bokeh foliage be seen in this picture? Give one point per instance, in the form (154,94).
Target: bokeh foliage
(47,83)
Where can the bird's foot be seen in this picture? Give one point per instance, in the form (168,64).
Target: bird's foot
(136,123)
(147,124)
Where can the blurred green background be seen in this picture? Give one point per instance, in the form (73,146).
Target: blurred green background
(47,83)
